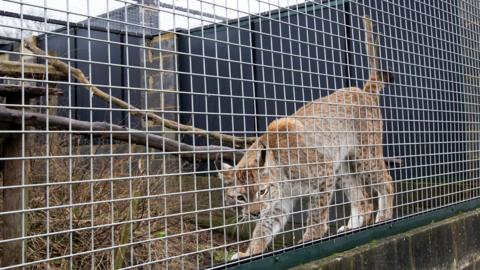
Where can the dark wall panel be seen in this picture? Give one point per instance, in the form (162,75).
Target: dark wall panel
(299,57)
(116,74)
(216,81)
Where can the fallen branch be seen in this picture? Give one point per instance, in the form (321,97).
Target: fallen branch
(105,130)
(29,70)
(80,76)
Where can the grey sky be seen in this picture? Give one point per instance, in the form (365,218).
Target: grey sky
(79,10)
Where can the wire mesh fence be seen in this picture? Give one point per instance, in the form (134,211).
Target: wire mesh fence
(165,134)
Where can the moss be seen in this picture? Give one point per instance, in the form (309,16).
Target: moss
(221,255)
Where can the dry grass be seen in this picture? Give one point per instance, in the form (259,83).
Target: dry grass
(78,205)
(167,217)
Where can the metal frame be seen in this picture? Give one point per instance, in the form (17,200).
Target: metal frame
(227,67)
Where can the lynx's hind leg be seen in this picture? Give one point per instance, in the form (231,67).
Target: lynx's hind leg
(361,207)
(385,192)
(371,169)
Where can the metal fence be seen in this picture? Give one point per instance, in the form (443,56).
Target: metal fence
(161,134)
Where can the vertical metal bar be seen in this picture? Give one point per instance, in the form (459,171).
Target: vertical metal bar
(91,144)
(113,256)
(70,142)
(131,194)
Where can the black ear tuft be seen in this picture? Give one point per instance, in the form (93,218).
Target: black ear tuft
(387,76)
(263,153)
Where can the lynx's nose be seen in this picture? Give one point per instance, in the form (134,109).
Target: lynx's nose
(255,213)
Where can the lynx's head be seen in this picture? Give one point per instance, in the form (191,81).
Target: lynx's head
(250,181)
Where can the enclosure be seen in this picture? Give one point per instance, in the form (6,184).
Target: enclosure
(117,115)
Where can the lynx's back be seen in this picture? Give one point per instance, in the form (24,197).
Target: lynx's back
(336,123)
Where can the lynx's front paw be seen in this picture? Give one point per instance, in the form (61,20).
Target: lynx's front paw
(307,237)
(239,255)
(343,229)
(384,215)
(313,233)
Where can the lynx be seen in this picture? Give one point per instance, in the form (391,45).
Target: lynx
(337,138)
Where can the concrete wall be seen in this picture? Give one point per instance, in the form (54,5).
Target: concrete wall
(453,243)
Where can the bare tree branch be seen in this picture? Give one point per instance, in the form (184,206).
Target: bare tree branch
(105,130)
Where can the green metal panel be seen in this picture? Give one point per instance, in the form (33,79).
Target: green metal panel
(315,251)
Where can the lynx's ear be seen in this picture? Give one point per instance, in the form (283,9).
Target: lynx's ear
(221,166)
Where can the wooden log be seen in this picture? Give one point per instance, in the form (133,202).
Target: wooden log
(30,71)
(8,90)
(120,133)
(13,198)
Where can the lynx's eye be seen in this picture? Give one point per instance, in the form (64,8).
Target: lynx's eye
(262,192)
(241,199)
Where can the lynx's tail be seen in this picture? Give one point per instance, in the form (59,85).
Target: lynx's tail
(378,78)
